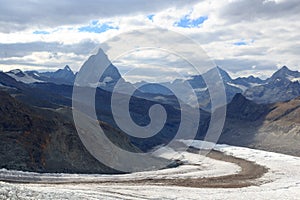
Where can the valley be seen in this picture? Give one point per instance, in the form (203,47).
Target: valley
(277,182)
(42,155)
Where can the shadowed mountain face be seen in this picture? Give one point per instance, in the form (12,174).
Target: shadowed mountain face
(243,109)
(271,127)
(281,129)
(42,140)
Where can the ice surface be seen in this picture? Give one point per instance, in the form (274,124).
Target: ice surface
(282,181)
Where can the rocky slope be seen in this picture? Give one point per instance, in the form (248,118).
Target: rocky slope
(272,127)
(280,130)
(43,140)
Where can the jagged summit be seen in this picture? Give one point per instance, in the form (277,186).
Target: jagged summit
(225,76)
(67,68)
(285,68)
(283,85)
(17,72)
(285,73)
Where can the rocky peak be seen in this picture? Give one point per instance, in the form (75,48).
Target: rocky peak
(285,73)
(67,68)
(243,109)
(17,72)
(225,76)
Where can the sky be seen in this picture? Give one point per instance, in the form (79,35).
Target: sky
(245,37)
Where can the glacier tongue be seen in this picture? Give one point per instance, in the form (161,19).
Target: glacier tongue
(282,181)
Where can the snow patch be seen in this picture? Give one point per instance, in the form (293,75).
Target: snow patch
(107,79)
(242,87)
(36,74)
(160,98)
(15,71)
(296,80)
(25,79)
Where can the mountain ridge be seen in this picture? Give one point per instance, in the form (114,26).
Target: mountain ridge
(271,127)
(248,115)
(44,140)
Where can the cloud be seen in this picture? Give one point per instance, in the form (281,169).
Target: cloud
(42,61)
(245,10)
(18,15)
(23,49)
(44,56)
(238,65)
(237,34)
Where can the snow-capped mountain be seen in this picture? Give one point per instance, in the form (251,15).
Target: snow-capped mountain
(197,82)
(283,85)
(61,76)
(67,77)
(232,87)
(109,78)
(248,82)
(200,87)
(286,73)
(24,77)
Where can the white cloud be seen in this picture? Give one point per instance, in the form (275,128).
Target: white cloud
(18,15)
(270,29)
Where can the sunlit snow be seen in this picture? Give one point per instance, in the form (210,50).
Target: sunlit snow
(282,181)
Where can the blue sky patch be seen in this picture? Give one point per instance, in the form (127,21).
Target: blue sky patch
(243,42)
(96,28)
(94,22)
(41,32)
(150,17)
(186,22)
(240,43)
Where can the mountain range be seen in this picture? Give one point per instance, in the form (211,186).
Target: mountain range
(61,76)
(283,85)
(36,121)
